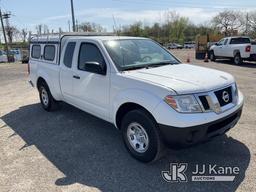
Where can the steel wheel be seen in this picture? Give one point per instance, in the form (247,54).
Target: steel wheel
(237,59)
(44,96)
(137,137)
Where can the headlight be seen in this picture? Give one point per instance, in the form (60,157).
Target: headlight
(183,103)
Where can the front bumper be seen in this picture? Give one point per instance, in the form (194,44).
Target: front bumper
(177,137)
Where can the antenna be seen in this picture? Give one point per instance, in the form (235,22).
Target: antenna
(115,26)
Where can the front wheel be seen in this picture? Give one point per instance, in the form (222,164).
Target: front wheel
(212,56)
(141,136)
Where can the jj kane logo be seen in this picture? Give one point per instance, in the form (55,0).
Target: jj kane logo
(178,173)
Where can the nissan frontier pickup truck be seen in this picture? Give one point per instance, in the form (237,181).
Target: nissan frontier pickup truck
(134,83)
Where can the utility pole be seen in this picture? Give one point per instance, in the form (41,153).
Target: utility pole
(5,40)
(6,16)
(73,16)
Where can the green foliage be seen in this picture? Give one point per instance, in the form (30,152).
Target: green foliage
(175,29)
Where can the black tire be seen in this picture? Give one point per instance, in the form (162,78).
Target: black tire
(154,149)
(237,59)
(212,56)
(43,92)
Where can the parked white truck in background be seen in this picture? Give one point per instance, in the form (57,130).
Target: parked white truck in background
(235,48)
(138,86)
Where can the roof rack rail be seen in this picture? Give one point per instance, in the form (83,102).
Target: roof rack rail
(58,36)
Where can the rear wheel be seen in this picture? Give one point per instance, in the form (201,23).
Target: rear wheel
(141,136)
(237,59)
(212,56)
(47,101)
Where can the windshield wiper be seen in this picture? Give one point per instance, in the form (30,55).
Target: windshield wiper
(150,65)
(158,64)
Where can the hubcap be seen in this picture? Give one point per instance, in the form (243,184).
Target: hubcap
(44,96)
(211,56)
(137,137)
(237,59)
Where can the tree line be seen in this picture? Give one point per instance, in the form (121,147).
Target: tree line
(175,27)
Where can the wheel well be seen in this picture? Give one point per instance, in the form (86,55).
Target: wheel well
(124,109)
(40,80)
(236,52)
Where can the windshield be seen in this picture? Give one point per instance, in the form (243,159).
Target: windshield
(138,53)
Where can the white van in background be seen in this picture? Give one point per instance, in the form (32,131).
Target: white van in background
(3,56)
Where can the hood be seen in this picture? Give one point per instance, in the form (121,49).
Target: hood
(184,78)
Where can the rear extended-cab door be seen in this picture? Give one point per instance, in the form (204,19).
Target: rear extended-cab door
(66,69)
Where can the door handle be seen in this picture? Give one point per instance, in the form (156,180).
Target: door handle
(76,77)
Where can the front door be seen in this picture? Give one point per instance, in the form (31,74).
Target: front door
(91,89)
(219,48)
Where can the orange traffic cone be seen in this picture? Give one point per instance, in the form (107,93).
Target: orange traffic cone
(206,57)
(188,58)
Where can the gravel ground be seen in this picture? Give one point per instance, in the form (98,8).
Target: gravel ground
(70,150)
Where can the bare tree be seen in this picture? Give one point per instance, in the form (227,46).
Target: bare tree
(39,29)
(228,21)
(24,33)
(45,29)
(252,23)
(11,33)
(90,27)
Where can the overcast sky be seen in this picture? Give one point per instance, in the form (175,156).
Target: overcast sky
(56,13)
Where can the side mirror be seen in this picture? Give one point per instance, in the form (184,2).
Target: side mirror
(217,44)
(95,67)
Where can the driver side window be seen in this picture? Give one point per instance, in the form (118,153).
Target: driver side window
(221,42)
(89,52)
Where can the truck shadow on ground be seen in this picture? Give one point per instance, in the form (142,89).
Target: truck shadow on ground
(90,151)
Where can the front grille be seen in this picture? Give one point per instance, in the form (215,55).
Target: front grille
(204,102)
(221,98)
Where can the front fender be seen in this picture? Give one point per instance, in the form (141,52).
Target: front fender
(141,97)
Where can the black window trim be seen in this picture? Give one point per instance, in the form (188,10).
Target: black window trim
(37,45)
(49,45)
(72,54)
(78,61)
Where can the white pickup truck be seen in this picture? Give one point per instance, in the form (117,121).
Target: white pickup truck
(235,48)
(137,85)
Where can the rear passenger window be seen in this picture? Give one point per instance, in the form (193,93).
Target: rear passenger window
(240,41)
(69,52)
(36,51)
(49,52)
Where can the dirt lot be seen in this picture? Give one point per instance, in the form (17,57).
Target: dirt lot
(69,150)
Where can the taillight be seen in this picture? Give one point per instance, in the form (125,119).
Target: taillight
(28,69)
(248,48)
